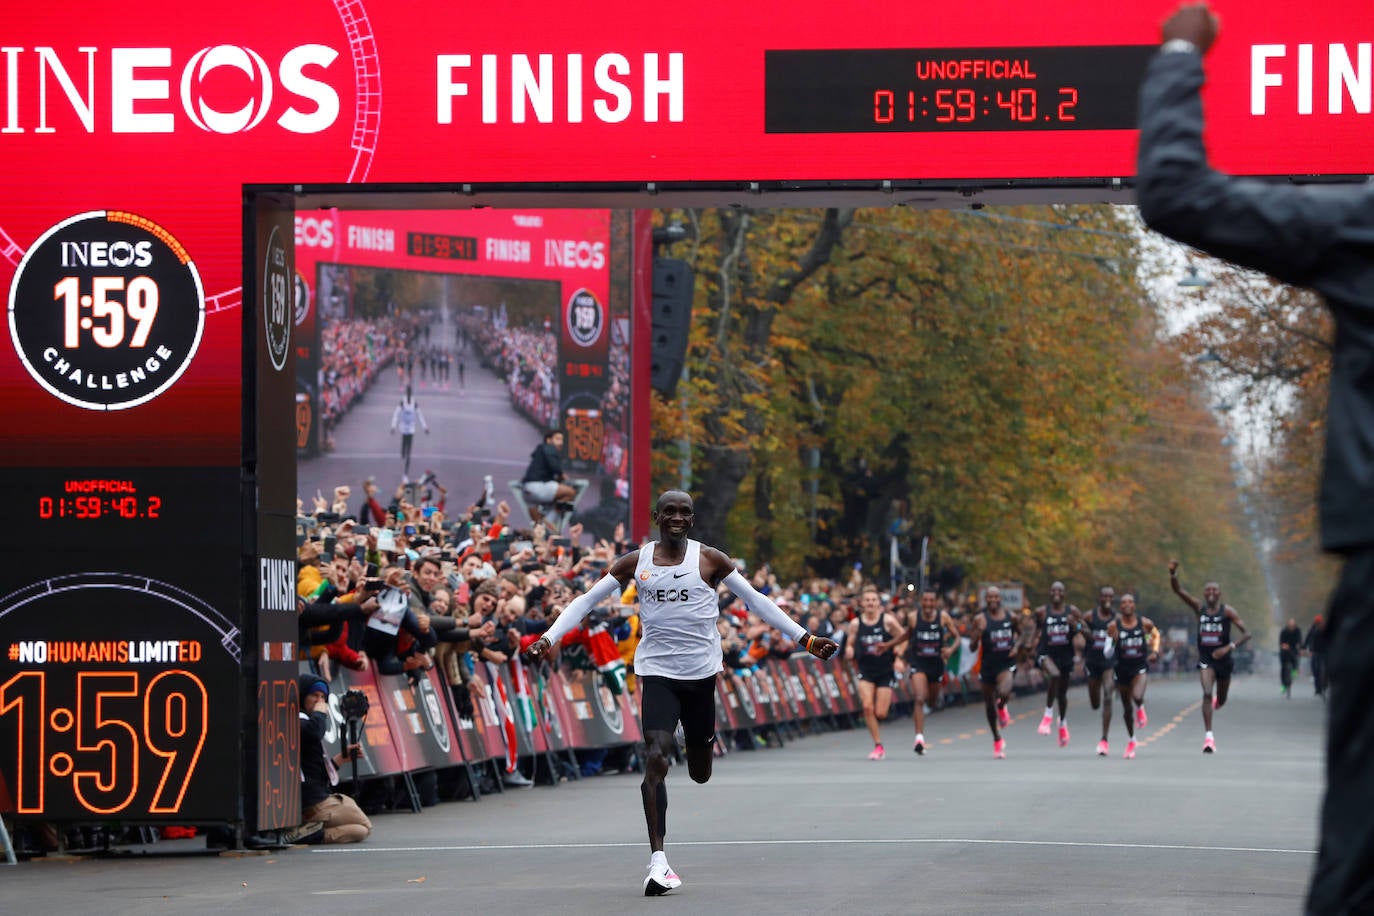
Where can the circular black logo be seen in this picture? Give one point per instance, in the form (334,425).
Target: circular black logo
(278,312)
(585,318)
(106,310)
(302,299)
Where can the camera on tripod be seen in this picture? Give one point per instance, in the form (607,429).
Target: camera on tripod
(354,705)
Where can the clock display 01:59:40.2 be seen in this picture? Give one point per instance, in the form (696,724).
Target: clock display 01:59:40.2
(98,507)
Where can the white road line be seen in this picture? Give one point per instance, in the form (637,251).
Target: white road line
(818,842)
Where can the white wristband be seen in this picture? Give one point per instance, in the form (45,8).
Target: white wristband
(1178,46)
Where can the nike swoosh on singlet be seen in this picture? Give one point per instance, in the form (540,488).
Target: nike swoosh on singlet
(680,575)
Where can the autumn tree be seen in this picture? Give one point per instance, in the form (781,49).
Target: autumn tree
(977,378)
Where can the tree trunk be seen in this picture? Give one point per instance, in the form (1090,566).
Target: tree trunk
(742,314)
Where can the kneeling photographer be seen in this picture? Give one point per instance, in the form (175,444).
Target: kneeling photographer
(336,818)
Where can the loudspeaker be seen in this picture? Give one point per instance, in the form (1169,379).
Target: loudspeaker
(672,320)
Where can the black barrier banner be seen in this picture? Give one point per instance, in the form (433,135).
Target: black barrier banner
(492,717)
(830,678)
(459,748)
(726,720)
(741,700)
(783,707)
(763,702)
(817,691)
(517,713)
(557,700)
(848,679)
(416,711)
(549,708)
(790,687)
(607,718)
(482,731)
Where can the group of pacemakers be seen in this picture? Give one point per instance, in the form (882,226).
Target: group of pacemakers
(1115,644)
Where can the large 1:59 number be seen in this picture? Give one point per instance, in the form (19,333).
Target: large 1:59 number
(141,307)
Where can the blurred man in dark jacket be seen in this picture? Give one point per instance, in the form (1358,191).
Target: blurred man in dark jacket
(1322,238)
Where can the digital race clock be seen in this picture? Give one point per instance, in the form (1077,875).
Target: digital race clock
(93,507)
(953,89)
(439,245)
(170,499)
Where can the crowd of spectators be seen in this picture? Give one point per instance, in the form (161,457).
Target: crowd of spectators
(353,352)
(524,357)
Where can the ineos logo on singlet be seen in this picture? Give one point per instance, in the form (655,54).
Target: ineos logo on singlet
(1132,642)
(1057,629)
(1210,627)
(666,594)
(999,635)
(929,636)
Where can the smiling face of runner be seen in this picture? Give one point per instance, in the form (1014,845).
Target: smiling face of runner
(1057,594)
(871,606)
(929,604)
(674,515)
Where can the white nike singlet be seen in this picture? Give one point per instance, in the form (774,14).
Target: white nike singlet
(678,612)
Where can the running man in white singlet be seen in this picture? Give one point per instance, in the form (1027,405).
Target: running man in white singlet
(406,417)
(679,654)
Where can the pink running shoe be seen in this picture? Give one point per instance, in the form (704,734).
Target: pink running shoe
(1130,750)
(1209,746)
(1102,749)
(999,749)
(1004,717)
(1214,702)
(1045,724)
(877,753)
(1141,720)
(1063,736)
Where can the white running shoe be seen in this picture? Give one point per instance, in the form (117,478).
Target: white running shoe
(660,881)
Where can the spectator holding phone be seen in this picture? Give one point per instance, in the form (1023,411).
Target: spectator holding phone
(382,638)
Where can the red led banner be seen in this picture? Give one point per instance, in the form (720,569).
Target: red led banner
(165,111)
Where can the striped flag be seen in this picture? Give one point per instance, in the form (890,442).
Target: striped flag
(507,719)
(524,700)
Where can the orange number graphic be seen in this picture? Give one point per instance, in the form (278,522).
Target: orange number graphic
(101,732)
(28,689)
(175,715)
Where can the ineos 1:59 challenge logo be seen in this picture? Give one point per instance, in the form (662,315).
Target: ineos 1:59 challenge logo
(585,318)
(277,315)
(106,310)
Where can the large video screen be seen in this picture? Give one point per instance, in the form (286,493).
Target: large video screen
(437,349)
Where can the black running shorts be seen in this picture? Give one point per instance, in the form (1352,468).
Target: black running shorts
(1126,673)
(665,701)
(1097,669)
(1062,660)
(932,668)
(1222,666)
(991,668)
(879,674)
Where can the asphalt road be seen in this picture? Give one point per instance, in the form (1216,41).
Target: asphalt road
(814,827)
